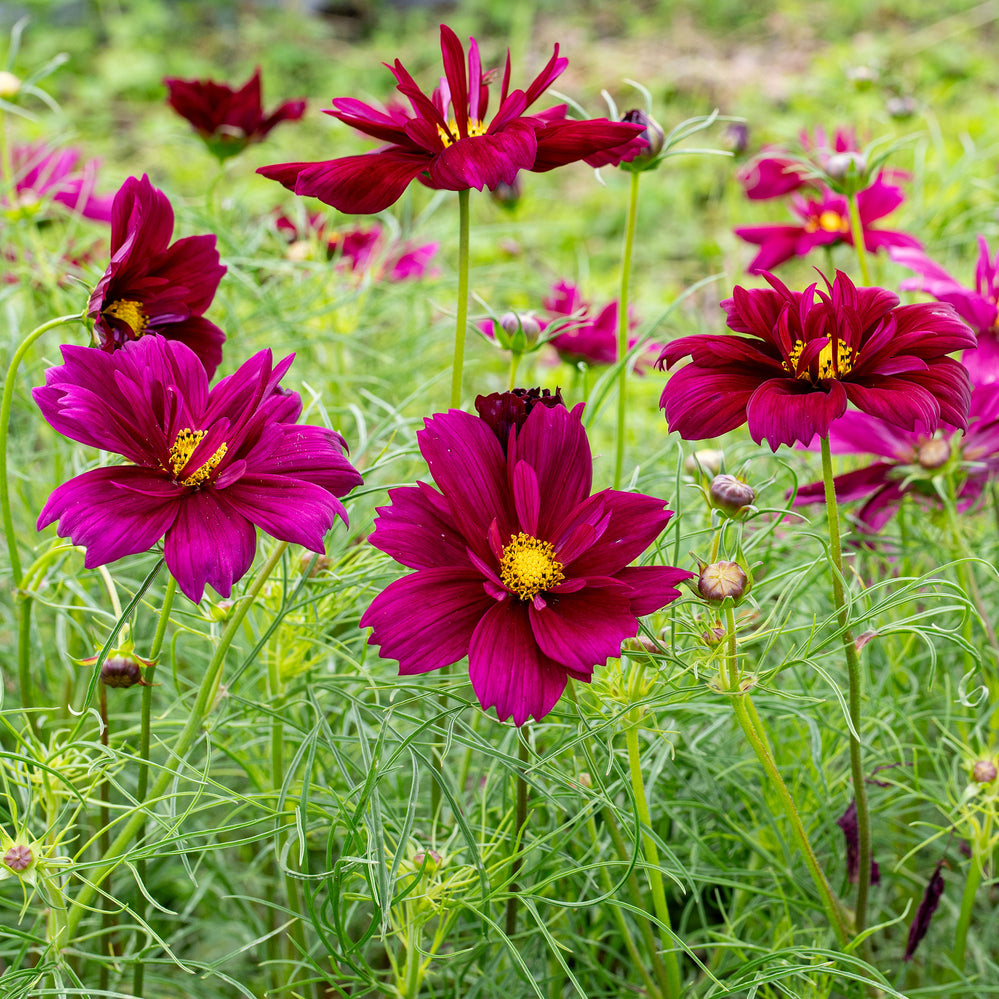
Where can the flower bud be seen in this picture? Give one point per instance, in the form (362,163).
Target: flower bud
(933,453)
(123,671)
(583,779)
(10,85)
(507,196)
(984,772)
(322,564)
(708,461)
(722,580)
(901,108)
(736,137)
(847,172)
(523,331)
(18,858)
(715,635)
(432,858)
(653,136)
(731,495)
(862,77)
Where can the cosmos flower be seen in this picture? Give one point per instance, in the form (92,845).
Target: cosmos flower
(517,565)
(42,175)
(204,468)
(807,354)
(360,249)
(910,460)
(445,140)
(825,221)
(228,120)
(153,285)
(979,308)
(776,172)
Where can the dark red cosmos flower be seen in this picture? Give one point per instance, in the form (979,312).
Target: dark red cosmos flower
(517,565)
(204,468)
(445,140)
(807,354)
(228,120)
(153,285)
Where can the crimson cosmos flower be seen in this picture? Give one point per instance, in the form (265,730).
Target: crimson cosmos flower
(517,565)
(910,459)
(42,174)
(775,172)
(153,286)
(807,354)
(824,222)
(445,140)
(204,468)
(978,307)
(228,120)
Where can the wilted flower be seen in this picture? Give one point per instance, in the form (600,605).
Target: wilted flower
(824,222)
(924,913)
(517,565)
(979,308)
(811,353)
(227,119)
(851,833)
(121,667)
(911,459)
(445,141)
(204,467)
(363,249)
(43,175)
(153,285)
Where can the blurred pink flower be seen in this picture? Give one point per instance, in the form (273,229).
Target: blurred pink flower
(979,308)
(42,174)
(825,222)
(774,174)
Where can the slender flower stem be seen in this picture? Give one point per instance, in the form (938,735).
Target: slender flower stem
(142,779)
(24,611)
(518,831)
(188,736)
(514,365)
(856,689)
(857,234)
(461,320)
(622,326)
(745,712)
(675,984)
(967,907)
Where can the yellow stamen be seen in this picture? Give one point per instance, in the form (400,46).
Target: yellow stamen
(828,221)
(475,127)
(180,454)
(130,313)
(528,566)
(845,359)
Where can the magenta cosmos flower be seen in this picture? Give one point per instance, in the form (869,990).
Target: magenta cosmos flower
(807,354)
(204,468)
(228,120)
(979,307)
(445,140)
(153,285)
(517,565)
(363,249)
(775,172)
(824,222)
(910,460)
(42,175)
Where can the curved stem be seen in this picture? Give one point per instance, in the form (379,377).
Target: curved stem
(855,680)
(189,734)
(857,234)
(461,320)
(622,326)
(675,985)
(745,712)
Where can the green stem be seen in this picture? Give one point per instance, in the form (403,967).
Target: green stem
(857,233)
(519,826)
(189,734)
(104,839)
(674,983)
(514,364)
(856,689)
(744,713)
(967,907)
(622,327)
(461,320)
(6,404)
(142,780)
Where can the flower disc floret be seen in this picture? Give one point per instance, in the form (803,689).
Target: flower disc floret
(528,566)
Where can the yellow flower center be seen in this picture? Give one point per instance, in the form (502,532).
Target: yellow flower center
(180,454)
(529,567)
(130,313)
(475,127)
(828,221)
(845,358)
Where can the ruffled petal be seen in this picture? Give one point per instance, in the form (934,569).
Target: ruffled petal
(789,410)
(652,586)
